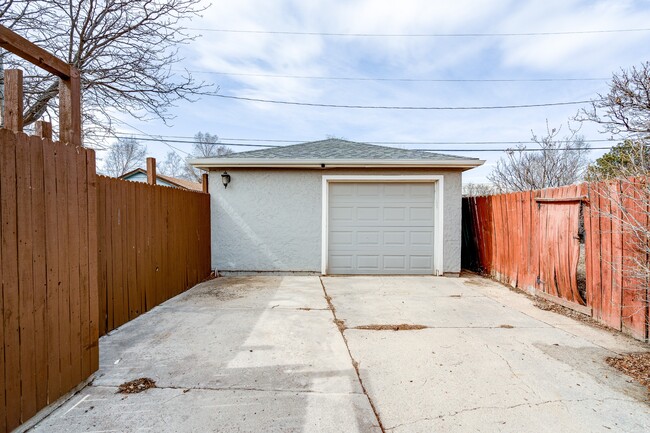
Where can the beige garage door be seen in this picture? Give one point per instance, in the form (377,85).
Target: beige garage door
(381,228)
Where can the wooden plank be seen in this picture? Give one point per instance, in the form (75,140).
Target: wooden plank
(596,259)
(84,270)
(609,314)
(70,109)
(102,258)
(204,183)
(634,201)
(16,44)
(140,224)
(39,268)
(64,266)
(13,99)
(131,226)
(569,199)
(110,264)
(52,266)
(589,248)
(118,276)
(25,278)
(74,254)
(43,129)
(124,253)
(151,171)
(9,277)
(617,253)
(565,303)
(3,405)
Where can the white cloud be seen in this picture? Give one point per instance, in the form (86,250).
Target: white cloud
(449,57)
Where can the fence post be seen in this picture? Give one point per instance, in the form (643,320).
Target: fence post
(204,182)
(13,101)
(151,171)
(70,109)
(43,129)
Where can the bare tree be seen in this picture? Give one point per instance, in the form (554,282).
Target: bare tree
(478,189)
(559,161)
(206,145)
(623,190)
(124,49)
(173,166)
(625,110)
(125,155)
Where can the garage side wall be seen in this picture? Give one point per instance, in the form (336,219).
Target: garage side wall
(270,219)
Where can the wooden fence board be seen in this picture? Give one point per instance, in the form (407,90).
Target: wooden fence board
(84,276)
(74,254)
(39,269)
(25,277)
(10,278)
(52,264)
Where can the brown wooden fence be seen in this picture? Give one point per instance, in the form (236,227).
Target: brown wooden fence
(57,218)
(48,267)
(532,240)
(154,243)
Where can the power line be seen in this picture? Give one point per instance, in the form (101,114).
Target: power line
(413,80)
(390,107)
(419,35)
(225,141)
(524,149)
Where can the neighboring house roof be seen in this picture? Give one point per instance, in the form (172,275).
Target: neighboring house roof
(336,153)
(179,183)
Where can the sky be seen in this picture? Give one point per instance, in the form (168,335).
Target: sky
(239,64)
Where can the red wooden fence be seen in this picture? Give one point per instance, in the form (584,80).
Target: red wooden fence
(531,240)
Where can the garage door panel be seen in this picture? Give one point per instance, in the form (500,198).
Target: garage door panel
(342,238)
(368,262)
(369,238)
(344,262)
(342,214)
(381,228)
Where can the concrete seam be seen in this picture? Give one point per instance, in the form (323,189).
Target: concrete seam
(355,364)
(207,388)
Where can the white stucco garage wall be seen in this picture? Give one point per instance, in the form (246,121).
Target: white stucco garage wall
(270,219)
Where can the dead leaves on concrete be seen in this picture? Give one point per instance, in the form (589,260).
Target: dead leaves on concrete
(635,365)
(136,386)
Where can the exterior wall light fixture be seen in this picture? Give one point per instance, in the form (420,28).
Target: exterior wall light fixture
(225,179)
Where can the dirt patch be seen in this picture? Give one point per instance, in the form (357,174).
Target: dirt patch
(136,386)
(340,324)
(506,326)
(635,365)
(400,327)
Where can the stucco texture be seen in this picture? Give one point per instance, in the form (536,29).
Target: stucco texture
(269,220)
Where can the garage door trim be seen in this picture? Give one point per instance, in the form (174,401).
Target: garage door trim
(438,184)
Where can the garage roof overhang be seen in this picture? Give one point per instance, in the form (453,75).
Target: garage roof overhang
(218,163)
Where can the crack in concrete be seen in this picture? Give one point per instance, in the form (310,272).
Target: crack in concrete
(355,364)
(514,406)
(512,370)
(237,388)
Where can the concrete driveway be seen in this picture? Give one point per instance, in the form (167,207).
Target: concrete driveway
(265,354)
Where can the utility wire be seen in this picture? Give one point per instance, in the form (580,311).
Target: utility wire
(412,80)
(390,107)
(225,141)
(524,149)
(419,35)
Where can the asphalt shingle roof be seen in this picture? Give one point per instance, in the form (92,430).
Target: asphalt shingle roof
(336,149)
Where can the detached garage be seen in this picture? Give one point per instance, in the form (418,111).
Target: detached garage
(336,207)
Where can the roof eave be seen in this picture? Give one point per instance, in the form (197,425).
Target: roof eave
(208,163)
